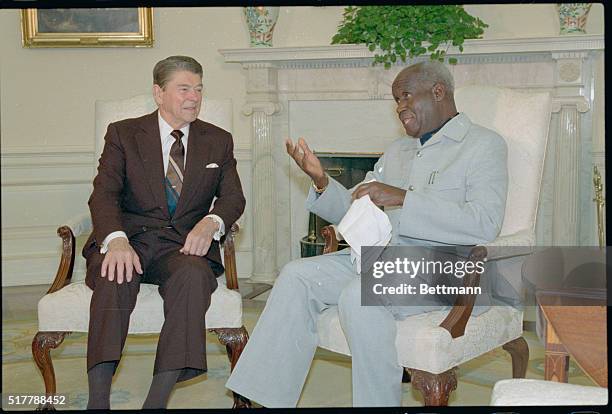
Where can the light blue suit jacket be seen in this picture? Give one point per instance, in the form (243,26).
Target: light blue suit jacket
(456,188)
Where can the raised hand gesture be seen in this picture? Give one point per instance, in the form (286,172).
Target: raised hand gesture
(307,161)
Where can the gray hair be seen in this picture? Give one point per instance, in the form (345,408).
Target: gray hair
(435,71)
(163,70)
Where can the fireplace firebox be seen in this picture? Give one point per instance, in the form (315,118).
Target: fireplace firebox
(349,169)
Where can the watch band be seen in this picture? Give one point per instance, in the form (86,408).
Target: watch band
(317,189)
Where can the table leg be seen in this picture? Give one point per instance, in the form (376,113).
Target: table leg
(556,358)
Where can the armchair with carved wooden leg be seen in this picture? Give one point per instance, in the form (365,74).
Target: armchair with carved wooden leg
(65,307)
(431,345)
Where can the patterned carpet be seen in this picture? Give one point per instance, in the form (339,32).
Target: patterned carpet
(328,384)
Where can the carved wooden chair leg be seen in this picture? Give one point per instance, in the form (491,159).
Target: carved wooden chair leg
(519,351)
(234,340)
(42,343)
(435,388)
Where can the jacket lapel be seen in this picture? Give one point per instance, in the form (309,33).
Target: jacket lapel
(198,153)
(150,150)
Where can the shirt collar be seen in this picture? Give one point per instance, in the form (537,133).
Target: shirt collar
(430,134)
(165,129)
(456,129)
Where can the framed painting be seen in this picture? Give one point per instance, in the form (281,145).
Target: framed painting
(101,27)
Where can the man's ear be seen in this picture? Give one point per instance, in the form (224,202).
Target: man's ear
(439,91)
(157,94)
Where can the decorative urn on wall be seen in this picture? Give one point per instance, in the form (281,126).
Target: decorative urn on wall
(261,21)
(573,17)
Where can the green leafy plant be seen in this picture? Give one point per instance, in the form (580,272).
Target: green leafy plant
(408,31)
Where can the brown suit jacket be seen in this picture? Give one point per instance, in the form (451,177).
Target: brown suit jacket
(129,192)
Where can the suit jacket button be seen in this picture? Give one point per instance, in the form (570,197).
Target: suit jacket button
(411,188)
(144,228)
(419,154)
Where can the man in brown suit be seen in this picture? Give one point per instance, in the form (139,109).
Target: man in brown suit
(153,223)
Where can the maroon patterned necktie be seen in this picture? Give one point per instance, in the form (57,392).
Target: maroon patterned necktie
(174,174)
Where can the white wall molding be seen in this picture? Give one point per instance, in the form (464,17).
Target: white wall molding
(38,246)
(28,232)
(41,188)
(61,165)
(35,158)
(47,150)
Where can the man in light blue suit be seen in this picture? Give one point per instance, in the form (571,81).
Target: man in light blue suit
(443,185)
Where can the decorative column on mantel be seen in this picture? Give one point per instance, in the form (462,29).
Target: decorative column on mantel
(261,104)
(569,102)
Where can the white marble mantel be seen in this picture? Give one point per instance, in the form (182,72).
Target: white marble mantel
(286,87)
(291,57)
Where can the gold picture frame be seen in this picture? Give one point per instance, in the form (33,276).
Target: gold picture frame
(101,27)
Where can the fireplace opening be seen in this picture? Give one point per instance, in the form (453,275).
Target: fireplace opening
(349,169)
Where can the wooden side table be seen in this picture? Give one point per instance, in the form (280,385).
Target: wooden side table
(569,284)
(575,326)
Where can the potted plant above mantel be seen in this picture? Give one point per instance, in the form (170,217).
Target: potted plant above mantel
(400,32)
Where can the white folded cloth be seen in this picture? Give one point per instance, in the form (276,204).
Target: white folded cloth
(364,224)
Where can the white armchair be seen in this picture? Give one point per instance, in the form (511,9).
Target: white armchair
(65,307)
(431,345)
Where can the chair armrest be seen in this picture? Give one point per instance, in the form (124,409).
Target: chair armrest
(331,239)
(80,224)
(74,228)
(64,270)
(516,244)
(229,256)
(457,318)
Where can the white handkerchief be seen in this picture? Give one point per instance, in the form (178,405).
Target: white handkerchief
(364,224)
(212,165)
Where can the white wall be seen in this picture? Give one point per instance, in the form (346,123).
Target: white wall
(529,20)
(47,99)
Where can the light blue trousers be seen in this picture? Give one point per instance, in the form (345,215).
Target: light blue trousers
(275,362)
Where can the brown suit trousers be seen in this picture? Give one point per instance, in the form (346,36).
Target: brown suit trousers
(185,284)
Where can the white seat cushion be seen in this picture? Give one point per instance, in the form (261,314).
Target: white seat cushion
(67,310)
(423,344)
(539,392)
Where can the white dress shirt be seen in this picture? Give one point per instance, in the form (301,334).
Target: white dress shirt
(166,142)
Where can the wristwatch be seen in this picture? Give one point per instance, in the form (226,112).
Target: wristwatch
(317,189)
